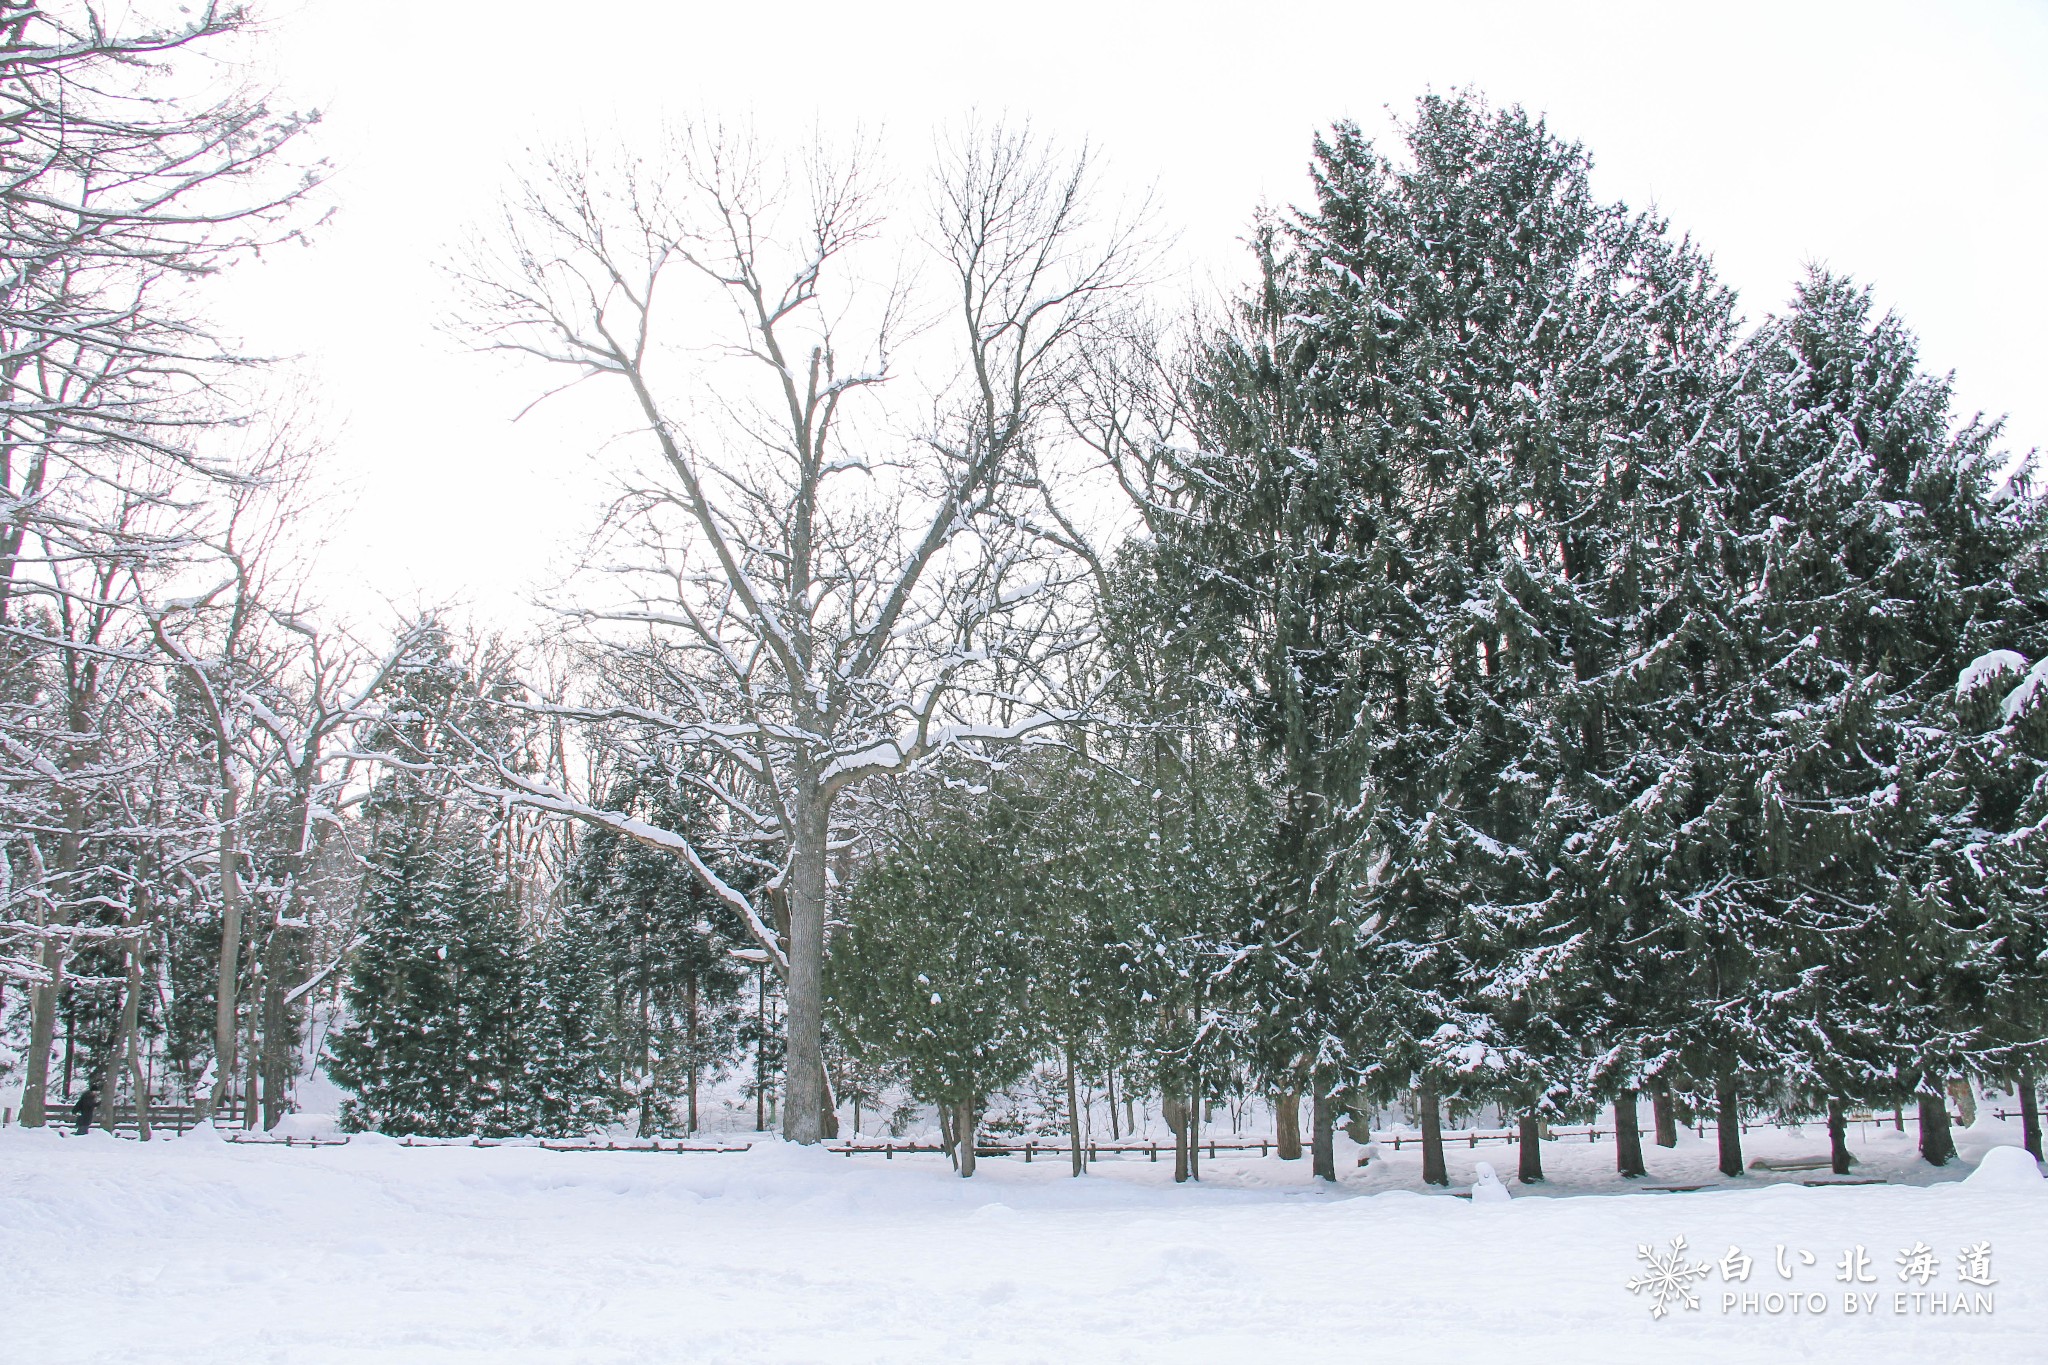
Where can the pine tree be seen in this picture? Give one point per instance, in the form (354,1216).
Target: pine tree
(437,997)
(572,1089)
(1429,529)
(439,988)
(665,944)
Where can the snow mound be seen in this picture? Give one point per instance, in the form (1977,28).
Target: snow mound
(306,1125)
(1988,668)
(2007,1168)
(1486,1186)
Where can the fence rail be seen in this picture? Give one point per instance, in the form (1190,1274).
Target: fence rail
(1056,1148)
(164,1116)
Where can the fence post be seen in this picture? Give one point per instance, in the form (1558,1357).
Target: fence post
(1155,1151)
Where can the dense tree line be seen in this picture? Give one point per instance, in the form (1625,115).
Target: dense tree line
(1480,669)
(1627,703)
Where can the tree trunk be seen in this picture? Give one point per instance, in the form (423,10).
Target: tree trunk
(42,1035)
(1728,1123)
(1531,1148)
(138,1081)
(1628,1137)
(1176,1116)
(803,1005)
(2030,1116)
(1322,1132)
(1664,1113)
(761,1055)
(1937,1144)
(828,1107)
(1433,1169)
(1287,1119)
(122,1044)
(946,1138)
(963,1125)
(280,1039)
(251,1097)
(690,1121)
(44,999)
(1109,1085)
(1074,1115)
(1965,1095)
(1195,1136)
(227,970)
(1838,1138)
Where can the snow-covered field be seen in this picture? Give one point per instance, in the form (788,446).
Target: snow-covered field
(198,1250)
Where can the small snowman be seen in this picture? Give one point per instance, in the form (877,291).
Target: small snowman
(1486,1187)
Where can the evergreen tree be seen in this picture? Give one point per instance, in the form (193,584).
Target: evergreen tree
(666,946)
(1422,524)
(439,990)
(932,965)
(570,1037)
(436,1041)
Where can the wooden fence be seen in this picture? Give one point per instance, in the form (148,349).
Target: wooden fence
(164,1116)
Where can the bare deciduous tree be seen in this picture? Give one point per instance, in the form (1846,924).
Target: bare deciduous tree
(819,574)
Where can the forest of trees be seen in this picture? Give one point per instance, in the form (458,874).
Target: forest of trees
(1475,665)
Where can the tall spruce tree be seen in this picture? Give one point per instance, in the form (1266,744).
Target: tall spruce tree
(438,990)
(1417,525)
(665,945)
(438,996)
(570,1033)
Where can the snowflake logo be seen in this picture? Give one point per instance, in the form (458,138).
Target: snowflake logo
(1669,1278)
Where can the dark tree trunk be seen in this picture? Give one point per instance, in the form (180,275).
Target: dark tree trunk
(1322,1134)
(2030,1116)
(1937,1144)
(1838,1139)
(828,1108)
(963,1124)
(1195,1136)
(252,1094)
(1433,1169)
(1728,1123)
(1531,1145)
(280,1039)
(1176,1115)
(1665,1114)
(122,1048)
(1628,1137)
(761,1059)
(1109,1085)
(138,1081)
(1074,1116)
(1287,1122)
(946,1136)
(690,1116)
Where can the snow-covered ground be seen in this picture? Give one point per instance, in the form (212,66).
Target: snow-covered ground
(198,1250)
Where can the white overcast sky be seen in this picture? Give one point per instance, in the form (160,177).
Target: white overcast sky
(1906,144)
